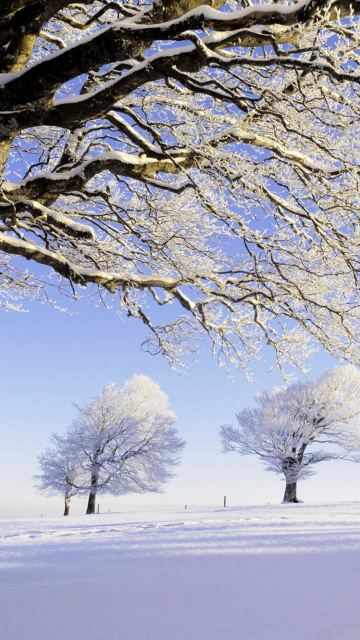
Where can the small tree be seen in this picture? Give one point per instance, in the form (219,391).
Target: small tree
(287,421)
(126,440)
(60,471)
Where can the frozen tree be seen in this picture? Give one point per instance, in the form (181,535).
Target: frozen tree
(283,429)
(204,155)
(126,440)
(60,471)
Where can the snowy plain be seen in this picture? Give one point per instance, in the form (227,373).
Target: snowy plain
(285,572)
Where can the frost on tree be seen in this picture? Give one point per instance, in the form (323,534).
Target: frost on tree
(287,424)
(125,440)
(204,155)
(60,471)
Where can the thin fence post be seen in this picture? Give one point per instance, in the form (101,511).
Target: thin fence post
(224,501)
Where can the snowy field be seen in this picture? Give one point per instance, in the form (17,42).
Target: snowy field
(285,572)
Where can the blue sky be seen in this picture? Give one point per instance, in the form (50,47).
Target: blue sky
(51,360)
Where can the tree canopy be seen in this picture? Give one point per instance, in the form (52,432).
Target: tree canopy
(201,154)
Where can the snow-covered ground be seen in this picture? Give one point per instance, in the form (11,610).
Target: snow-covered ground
(285,572)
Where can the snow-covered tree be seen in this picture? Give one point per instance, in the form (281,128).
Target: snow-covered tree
(125,440)
(60,471)
(204,155)
(283,429)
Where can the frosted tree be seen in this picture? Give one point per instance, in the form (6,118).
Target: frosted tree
(203,156)
(288,422)
(126,440)
(60,471)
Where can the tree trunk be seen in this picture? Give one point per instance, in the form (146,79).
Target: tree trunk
(290,492)
(67,506)
(92,494)
(291,469)
(91,503)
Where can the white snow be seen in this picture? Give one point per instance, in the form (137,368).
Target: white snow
(249,573)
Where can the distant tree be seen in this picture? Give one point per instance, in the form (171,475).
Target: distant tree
(126,440)
(60,471)
(288,421)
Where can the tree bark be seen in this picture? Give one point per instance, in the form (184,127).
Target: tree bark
(67,506)
(290,492)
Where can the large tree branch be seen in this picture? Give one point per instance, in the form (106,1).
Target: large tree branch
(121,41)
(70,113)
(78,274)
(50,186)
(20,25)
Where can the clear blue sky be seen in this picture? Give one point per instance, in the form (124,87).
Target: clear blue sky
(50,360)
